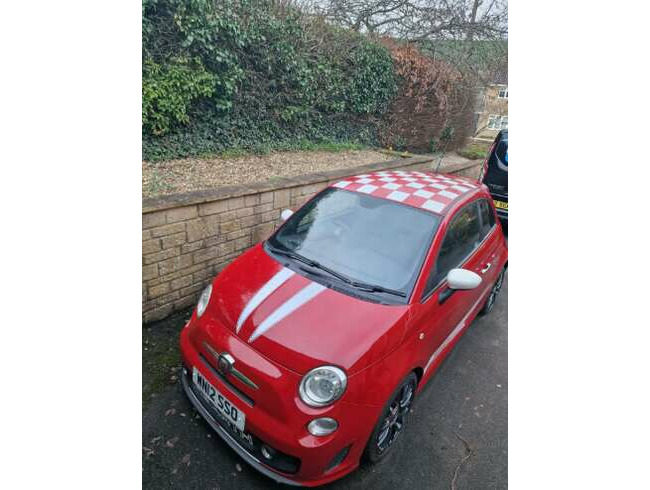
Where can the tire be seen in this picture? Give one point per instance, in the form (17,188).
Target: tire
(391,422)
(492,297)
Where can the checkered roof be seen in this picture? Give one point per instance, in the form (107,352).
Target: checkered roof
(433,192)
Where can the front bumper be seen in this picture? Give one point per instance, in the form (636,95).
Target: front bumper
(228,439)
(279,421)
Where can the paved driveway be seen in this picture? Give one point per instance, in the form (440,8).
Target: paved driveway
(466,400)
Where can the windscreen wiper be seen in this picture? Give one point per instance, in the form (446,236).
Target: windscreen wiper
(376,288)
(338,275)
(312,263)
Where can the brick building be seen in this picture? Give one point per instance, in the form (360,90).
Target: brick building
(492,106)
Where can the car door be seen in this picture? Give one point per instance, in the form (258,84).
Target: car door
(489,268)
(441,310)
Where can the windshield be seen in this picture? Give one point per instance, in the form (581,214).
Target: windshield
(365,238)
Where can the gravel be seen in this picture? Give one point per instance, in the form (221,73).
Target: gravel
(191,174)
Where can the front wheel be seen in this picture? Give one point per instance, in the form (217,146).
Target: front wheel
(391,422)
(494,292)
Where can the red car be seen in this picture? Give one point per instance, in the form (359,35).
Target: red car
(306,352)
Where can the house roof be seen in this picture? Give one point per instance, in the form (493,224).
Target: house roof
(424,190)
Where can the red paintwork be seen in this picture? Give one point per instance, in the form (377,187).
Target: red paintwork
(376,345)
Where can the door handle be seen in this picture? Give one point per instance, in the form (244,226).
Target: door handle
(486,268)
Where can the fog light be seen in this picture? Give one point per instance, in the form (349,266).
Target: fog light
(322,426)
(267,452)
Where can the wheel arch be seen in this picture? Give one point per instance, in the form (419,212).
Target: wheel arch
(419,373)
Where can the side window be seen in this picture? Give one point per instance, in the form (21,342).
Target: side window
(462,237)
(487,217)
(502,150)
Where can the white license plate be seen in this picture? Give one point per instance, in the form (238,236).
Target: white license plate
(229,412)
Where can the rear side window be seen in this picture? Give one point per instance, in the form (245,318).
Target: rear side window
(487,217)
(462,237)
(502,151)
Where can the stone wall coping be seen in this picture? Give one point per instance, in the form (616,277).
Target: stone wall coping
(151,204)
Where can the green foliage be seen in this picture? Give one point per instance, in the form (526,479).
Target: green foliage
(373,84)
(226,74)
(210,136)
(169,90)
(474,152)
(440,144)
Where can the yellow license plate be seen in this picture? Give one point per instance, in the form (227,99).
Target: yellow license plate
(501,205)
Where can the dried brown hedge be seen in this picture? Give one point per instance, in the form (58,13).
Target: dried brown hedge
(433,101)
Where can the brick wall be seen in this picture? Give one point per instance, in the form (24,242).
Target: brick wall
(492,104)
(189,238)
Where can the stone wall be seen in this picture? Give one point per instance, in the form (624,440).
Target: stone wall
(189,238)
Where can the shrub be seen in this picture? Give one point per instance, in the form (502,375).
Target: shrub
(169,90)
(258,75)
(432,109)
(249,74)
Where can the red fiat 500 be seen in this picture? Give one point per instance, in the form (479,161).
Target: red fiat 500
(305,353)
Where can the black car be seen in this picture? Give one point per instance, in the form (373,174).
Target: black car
(495,174)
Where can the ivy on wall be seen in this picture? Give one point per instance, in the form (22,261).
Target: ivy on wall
(261,75)
(252,74)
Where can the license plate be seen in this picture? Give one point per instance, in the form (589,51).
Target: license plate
(228,412)
(501,205)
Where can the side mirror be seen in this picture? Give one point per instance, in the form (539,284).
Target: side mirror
(463,279)
(286,214)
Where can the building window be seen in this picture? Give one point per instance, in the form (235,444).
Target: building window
(497,122)
(503,93)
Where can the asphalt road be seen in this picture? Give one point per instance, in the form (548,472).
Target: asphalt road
(459,426)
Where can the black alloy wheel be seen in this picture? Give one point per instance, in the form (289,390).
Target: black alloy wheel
(494,292)
(392,420)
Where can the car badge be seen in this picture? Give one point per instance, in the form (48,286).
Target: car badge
(224,363)
(226,366)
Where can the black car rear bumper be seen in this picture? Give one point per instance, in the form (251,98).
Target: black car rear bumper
(501,213)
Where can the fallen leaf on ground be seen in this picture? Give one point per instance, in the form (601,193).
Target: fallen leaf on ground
(186,459)
(171,442)
(169,412)
(238,467)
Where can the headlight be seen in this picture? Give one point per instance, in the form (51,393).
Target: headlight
(322,386)
(203,301)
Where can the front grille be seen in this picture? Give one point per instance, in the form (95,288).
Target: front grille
(279,460)
(243,396)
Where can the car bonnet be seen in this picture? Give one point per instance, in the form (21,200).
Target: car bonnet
(299,323)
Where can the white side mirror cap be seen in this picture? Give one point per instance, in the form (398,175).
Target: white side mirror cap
(463,279)
(286,214)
